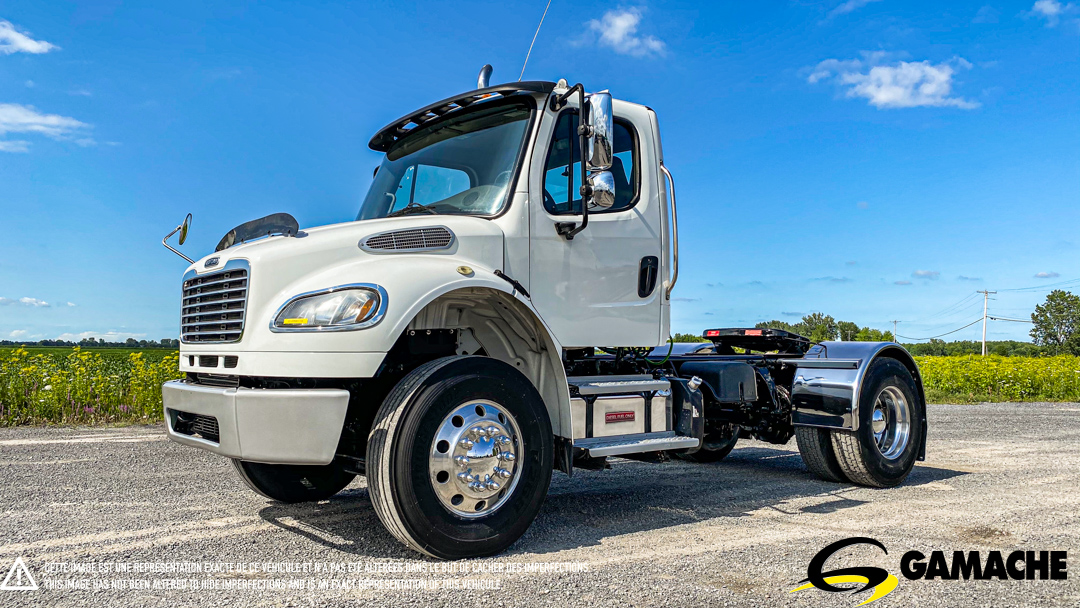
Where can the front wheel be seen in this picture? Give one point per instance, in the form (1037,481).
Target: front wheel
(293,483)
(459,458)
(883,451)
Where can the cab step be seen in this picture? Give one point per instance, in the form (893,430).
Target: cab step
(615,385)
(636,443)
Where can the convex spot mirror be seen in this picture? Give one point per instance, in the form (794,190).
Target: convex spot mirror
(601,127)
(184,229)
(602,184)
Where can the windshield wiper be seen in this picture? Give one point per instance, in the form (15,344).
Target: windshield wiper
(411,208)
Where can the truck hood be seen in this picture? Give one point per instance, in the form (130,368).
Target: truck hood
(317,249)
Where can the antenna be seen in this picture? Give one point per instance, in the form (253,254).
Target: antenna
(533,41)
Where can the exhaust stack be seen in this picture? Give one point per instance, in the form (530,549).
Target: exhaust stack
(484,80)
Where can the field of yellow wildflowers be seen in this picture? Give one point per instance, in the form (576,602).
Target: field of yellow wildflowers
(102,386)
(972,378)
(78,386)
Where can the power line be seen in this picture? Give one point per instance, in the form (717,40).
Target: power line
(533,41)
(944,334)
(1013,320)
(1047,286)
(950,308)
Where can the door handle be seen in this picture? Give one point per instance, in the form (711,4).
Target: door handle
(649,270)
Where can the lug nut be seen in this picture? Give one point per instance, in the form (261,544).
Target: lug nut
(503,440)
(476,486)
(492,485)
(492,431)
(462,461)
(466,443)
(507,456)
(464,477)
(501,472)
(478,431)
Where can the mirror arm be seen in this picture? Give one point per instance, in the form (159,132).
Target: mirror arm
(165,242)
(583,135)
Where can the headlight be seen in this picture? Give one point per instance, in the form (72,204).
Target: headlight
(338,308)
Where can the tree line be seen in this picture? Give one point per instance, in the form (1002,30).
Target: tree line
(100,343)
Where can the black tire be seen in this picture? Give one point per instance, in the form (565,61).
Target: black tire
(402,439)
(815,447)
(714,448)
(858,452)
(293,483)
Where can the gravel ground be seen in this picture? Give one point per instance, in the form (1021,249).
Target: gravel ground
(741,532)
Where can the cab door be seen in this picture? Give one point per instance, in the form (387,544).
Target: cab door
(603,287)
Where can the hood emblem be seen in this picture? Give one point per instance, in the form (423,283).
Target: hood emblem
(211,262)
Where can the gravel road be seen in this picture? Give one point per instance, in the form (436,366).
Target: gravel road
(114,517)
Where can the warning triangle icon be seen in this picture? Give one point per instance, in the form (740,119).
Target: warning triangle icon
(19,578)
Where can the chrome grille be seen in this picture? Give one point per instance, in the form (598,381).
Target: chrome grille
(213,307)
(416,239)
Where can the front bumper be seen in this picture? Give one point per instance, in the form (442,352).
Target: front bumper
(287,426)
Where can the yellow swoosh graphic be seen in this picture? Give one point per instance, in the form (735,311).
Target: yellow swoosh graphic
(880,591)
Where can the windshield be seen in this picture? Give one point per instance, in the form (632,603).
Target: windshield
(460,166)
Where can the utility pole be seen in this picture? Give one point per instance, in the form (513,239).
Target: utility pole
(986,300)
(894,336)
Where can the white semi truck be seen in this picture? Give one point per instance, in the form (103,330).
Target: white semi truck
(488,317)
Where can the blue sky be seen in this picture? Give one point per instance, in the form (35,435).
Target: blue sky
(874,160)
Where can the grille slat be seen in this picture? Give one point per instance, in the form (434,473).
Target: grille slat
(209,298)
(415,239)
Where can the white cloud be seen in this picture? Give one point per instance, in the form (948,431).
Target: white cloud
(25,302)
(18,333)
(15,118)
(901,282)
(964,278)
(894,84)
(71,304)
(1047,275)
(14,41)
(618,29)
(926,274)
(14,145)
(108,336)
(986,14)
(849,6)
(1053,11)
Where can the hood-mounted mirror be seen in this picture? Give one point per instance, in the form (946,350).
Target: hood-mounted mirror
(273,224)
(183,230)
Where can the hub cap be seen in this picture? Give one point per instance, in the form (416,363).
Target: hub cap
(473,460)
(891,422)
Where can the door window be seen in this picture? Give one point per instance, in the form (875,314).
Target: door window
(562,171)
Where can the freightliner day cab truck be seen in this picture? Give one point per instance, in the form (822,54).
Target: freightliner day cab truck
(487,318)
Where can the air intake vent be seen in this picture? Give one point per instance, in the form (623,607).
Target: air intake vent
(213,307)
(417,239)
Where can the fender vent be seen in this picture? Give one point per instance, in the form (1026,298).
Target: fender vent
(416,239)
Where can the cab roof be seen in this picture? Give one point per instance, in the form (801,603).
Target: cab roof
(393,132)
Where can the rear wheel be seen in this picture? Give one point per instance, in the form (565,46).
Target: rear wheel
(719,442)
(883,451)
(293,483)
(815,447)
(459,458)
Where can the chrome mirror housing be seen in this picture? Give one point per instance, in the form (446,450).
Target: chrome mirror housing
(602,186)
(184,229)
(601,129)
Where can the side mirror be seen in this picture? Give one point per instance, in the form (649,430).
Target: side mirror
(603,189)
(601,128)
(184,229)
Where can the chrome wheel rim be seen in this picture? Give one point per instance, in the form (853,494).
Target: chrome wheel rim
(473,462)
(891,422)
